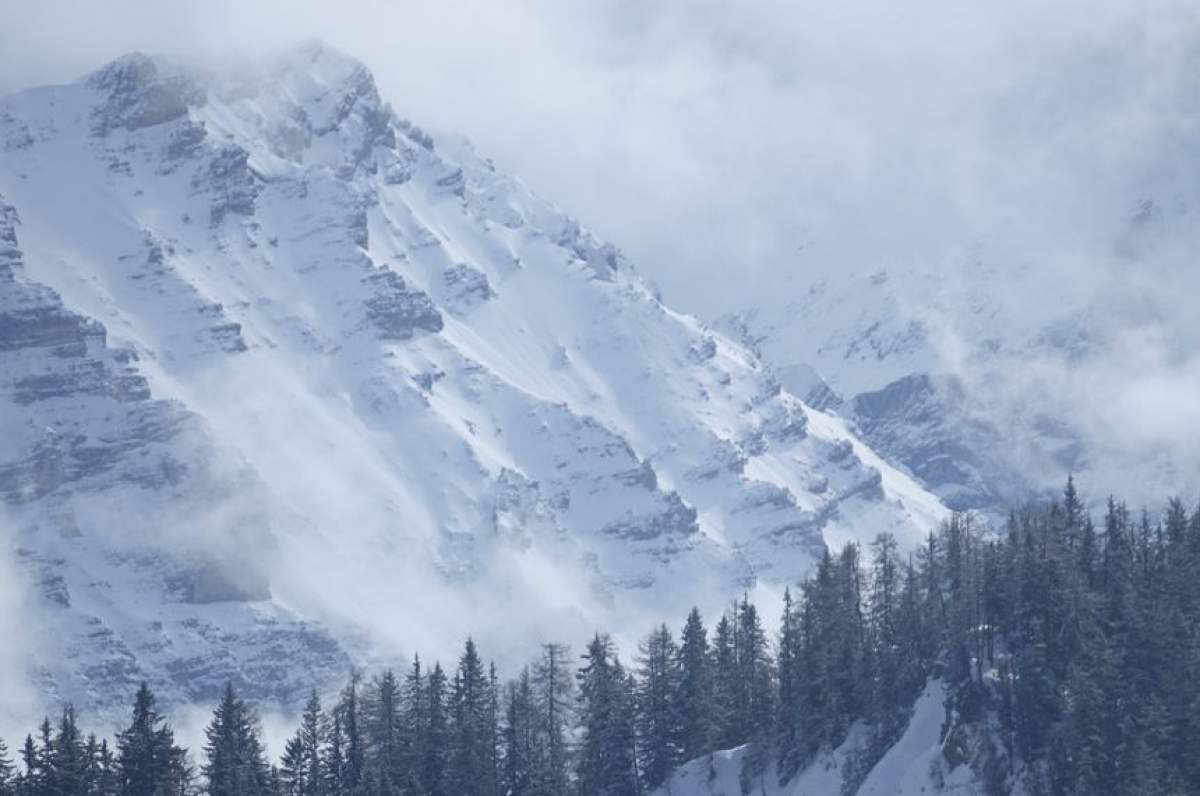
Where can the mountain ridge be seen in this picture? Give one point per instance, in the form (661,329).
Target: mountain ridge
(412,381)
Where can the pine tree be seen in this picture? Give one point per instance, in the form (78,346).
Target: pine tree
(302,771)
(755,705)
(46,755)
(725,685)
(33,781)
(386,742)
(148,761)
(91,764)
(789,730)
(524,752)
(108,778)
(1072,517)
(434,769)
(694,697)
(66,772)
(333,757)
(416,723)
(553,687)
(292,765)
(349,718)
(607,764)
(962,612)
(8,777)
(658,716)
(494,730)
(472,733)
(890,694)
(916,652)
(313,734)
(234,762)
(1089,554)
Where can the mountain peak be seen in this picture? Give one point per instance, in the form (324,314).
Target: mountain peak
(142,90)
(133,66)
(321,60)
(325,83)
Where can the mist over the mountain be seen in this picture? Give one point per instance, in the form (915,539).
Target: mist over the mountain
(734,150)
(872,133)
(283,371)
(18,699)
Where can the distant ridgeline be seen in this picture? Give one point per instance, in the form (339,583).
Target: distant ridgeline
(1070,654)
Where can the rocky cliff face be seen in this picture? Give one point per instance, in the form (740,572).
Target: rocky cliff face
(290,381)
(99,479)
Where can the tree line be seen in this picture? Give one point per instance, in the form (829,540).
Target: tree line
(1070,653)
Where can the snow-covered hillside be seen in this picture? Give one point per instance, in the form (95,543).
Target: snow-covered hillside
(914,765)
(286,379)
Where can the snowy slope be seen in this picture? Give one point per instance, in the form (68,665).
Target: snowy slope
(396,395)
(914,765)
(911,356)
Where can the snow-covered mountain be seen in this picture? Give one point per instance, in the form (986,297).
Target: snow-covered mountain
(991,375)
(286,382)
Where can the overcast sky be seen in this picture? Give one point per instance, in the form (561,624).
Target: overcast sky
(713,140)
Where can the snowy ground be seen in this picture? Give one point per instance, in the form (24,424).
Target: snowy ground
(911,767)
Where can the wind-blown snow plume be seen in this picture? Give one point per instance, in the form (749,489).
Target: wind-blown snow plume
(19,630)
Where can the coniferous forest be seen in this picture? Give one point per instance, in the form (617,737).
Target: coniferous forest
(1070,652)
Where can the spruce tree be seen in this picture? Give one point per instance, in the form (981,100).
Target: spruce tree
(471,736)
(524,752)
(91,764)
(33,781)
(302,771)
(333,756)
(607,763)
(292,765)
(349,713)
(694,694)
(554,689)
(148,761)
(8,776)
(889,694)
(725,685)
(386,742)
(658,714)
(416,722)
(755,706)
(66,772)
(916,652)
(234,763)
(434,766)
(789,730)
(108,781)
(494,730)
